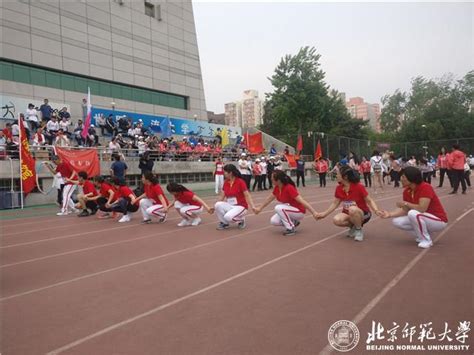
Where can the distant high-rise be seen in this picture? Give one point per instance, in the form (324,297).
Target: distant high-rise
(245,113)
(365,111)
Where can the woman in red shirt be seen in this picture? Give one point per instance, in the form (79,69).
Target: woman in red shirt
(68,175)
(355,203)
(321,166)
(234,200)
(107,195)
(420,212)
(292,207)
(365,168)
(126,202)
(219,175)
(87,200)
(188,204)
(442,165)
(153,201)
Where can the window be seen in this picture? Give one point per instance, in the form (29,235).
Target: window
(30,74)
(149,9)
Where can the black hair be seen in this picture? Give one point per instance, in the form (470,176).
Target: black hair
(356,158)
(99,179)
(31,105)
(350,174)
(175,187)
(151,177)
(281,176)
(118,181)
(376,152)
(55,157)
(456,146)
(412,174)
(82,174)
(232,169)
(116,157)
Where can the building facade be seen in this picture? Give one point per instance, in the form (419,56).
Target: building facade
(360,109)
(134,55)
(247,112)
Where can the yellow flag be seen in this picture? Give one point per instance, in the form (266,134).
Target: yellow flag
(225,137)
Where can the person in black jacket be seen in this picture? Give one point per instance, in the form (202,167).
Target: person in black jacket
(145,164)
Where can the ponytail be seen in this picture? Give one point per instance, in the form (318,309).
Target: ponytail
(151,177)
(281,176)
(174,187)
(232,169)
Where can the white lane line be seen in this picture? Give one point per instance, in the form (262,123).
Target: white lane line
(188,296)
(366,310)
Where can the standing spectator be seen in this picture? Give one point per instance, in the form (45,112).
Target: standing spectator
(426,170)
(257,175)
(467,173)
(46,111)
(457,159)
(101,122)
(270,170)
(244,169)
(366,169)
(84,110)
(300,171)
(395,170)
(321,166)
(118,168)
(78,133)
(471,162)
(32,117)
(16,130)
(7,131)
(110,125)
(3,143)
(442,165)
(145,164)
(354,161)
(273,151)
(263,165)
(219,175)
(378,167)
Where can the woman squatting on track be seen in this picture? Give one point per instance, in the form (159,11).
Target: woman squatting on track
(188,204)
(126,202)
(420,212)
(153,201)
(234,199)
(355,203)
(292,207)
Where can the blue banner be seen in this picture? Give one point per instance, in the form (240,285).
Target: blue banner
(178,126)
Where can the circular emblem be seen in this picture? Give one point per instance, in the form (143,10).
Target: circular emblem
(343,335)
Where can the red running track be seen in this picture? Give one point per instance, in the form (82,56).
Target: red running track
(83,286)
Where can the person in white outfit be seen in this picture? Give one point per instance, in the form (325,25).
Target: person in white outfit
(153,201)
(378,168)
(291,207)
(420,212)
(234,200)
(244,169)
(32,117)
(219,175)
(188,204)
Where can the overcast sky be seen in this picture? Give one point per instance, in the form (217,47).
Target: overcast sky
(367,49)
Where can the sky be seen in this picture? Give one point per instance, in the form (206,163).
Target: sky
(367,49)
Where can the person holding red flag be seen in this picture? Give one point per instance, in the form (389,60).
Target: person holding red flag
(27,162)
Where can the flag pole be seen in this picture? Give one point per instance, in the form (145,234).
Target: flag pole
(19,149)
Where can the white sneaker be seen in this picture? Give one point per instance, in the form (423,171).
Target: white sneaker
(125,218)
(62,214)
(74,210)
(196,221)
(184,223)
(351,232)
(358,235)
(418,240)
(425,244)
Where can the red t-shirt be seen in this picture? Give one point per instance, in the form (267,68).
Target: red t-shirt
(321,166)
(65,170)
(235,193)
(104,191)
(88,187)
(219,168)
(425,190)
(153,191)
(355,196)
(186,197)
(365,166)
(287,194)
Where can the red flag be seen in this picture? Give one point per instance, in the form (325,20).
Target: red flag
(81,160)
(291,160)
(319,152)
(254,142)
(28,170)
(299,145)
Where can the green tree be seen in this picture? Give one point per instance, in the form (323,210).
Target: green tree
(393,111)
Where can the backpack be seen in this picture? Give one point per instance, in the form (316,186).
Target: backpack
(378,165)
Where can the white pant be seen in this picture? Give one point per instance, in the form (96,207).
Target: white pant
(188,211)
(227,213)
(219,183)
(67,200)
(148,208)
(286,215)
(420,224)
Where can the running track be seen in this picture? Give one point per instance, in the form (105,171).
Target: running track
(88,286)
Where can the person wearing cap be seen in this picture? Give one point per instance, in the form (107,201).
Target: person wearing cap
(68,175)
(92,137)
(257,175)
(244,169)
